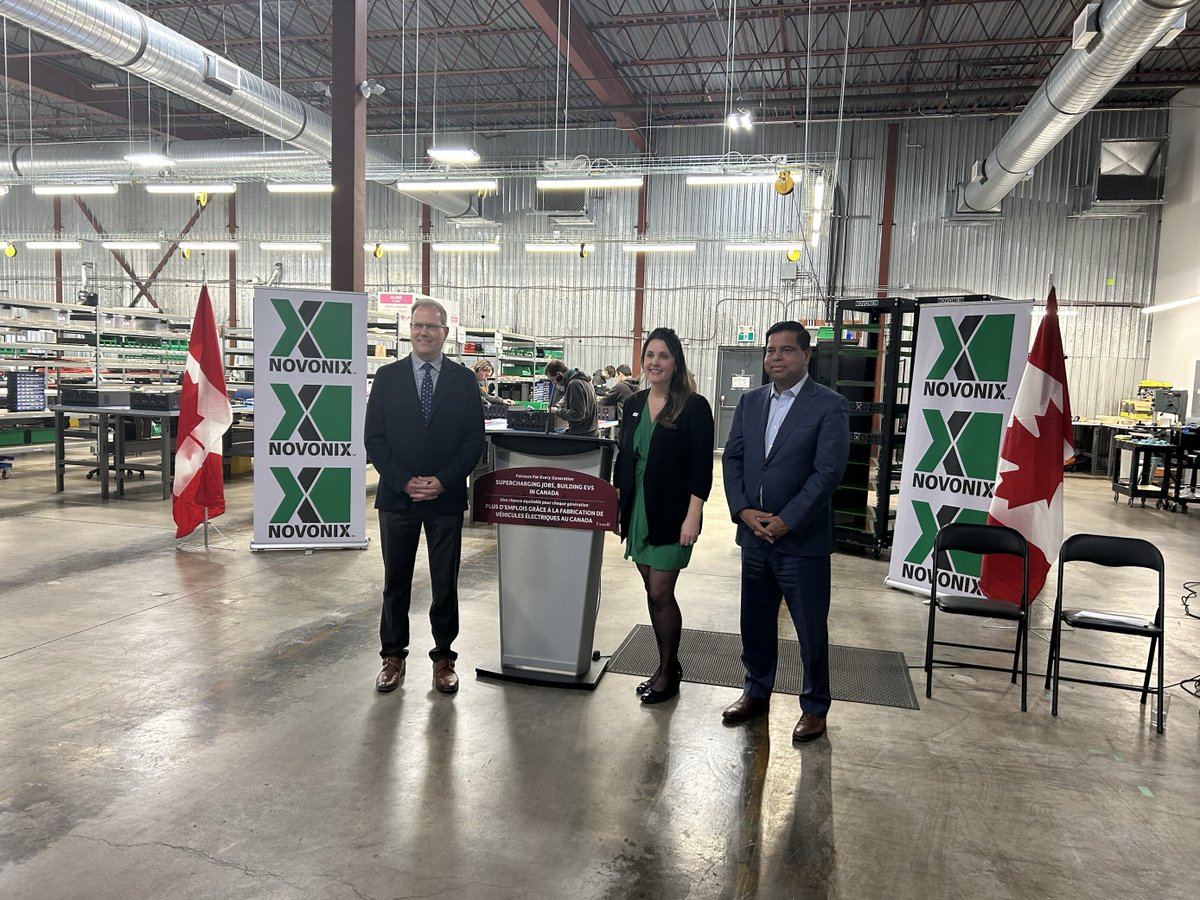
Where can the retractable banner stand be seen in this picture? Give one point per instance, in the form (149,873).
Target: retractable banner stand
(966,369)
(310,399)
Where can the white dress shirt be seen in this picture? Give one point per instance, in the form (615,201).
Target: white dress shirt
(781,402)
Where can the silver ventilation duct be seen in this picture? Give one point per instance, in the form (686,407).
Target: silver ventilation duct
(106,161)
(1110,38)
(112,32)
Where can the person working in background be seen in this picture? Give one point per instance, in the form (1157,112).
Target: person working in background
(622,389)
(424,435)
(483,371)
(577,404)
(787,449)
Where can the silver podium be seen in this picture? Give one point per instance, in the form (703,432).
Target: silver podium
(546,494)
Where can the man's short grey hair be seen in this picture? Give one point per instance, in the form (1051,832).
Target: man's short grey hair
(433,303)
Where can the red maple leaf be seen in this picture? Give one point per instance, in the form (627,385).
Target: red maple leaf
(1038,458)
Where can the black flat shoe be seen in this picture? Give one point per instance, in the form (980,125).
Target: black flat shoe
(645,685)
(653,696)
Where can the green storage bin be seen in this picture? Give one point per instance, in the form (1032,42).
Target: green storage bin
(41,435)
(12,437)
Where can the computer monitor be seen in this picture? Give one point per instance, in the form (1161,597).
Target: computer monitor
(1172,402)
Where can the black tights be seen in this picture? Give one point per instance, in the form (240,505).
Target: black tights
(667,620)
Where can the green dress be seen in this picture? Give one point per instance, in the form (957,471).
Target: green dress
(665,557)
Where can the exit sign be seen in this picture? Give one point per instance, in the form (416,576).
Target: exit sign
(745,334)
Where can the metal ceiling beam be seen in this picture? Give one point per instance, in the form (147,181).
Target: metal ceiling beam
(589,61)
(863,51)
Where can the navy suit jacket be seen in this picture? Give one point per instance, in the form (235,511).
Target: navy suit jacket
(797,480)
(401,445)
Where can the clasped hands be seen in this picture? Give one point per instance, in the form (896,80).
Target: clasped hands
(765,525)
(423,487)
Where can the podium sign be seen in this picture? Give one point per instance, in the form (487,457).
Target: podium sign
(544,496)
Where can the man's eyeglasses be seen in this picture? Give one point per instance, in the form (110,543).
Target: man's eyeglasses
(425,326)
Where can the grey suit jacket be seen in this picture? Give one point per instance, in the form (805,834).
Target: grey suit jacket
(797,480)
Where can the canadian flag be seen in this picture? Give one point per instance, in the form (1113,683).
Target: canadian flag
(1029,488)
(204,415)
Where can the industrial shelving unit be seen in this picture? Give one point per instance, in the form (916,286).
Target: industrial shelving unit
(518,360)
(871,366)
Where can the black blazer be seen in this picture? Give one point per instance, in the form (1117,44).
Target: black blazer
(401,445)
(680,465)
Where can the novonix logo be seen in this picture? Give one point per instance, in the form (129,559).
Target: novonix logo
(319,332)
(960,571)
(977,350)
(963,453)
(315,504)
(315,421)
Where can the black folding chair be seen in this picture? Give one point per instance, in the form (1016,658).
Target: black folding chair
(1108,550)
(973,538)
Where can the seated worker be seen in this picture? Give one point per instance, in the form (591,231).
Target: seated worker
(483,371)
(623,388)
(577,404)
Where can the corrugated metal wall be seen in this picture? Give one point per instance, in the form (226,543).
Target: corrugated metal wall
(705,296)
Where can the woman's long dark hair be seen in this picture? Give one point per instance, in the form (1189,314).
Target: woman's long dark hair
(682,385)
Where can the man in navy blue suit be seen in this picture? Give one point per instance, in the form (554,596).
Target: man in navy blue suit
(424,434)
(785,456)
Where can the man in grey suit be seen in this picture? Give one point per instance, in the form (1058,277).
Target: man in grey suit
(787,449)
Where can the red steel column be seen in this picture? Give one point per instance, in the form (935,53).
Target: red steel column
(887,225)
(348,202)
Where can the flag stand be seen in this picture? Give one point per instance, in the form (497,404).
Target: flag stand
(224,543)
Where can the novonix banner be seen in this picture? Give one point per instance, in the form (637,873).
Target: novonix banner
(310,398)
(966,369)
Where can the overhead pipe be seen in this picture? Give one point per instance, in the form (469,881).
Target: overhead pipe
(111,32)
(1109,42)
(106,160)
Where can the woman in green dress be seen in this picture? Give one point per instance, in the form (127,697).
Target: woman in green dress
(664,474)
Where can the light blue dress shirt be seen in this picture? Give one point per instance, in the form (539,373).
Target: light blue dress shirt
(781,402)
(417,362)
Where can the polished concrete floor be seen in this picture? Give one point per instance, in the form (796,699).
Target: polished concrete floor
(183,724)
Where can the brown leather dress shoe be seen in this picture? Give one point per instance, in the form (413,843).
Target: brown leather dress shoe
(745,708)
(393,672)
(809,728)
(444,678)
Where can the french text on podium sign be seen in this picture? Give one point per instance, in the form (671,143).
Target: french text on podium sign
(553,498)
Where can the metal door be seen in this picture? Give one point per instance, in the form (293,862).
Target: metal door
(739,369)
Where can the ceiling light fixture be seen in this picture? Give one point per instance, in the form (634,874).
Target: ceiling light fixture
(296,187)
(680,247)
(208,245)
(744,178)
(583,184)
(465,247)
(763,246)
(61,190)
(173,188)
(465,156)
(739,120)
(387,247)
(149,160)
(292,246)
(559,247)
(1174,304)
(3,189)
(131,245)
(468,184)
(52,245)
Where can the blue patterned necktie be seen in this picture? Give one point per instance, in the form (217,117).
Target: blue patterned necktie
(427,390)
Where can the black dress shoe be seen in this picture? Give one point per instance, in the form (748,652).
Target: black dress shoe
(645,685)
(745,708)
(652,696)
